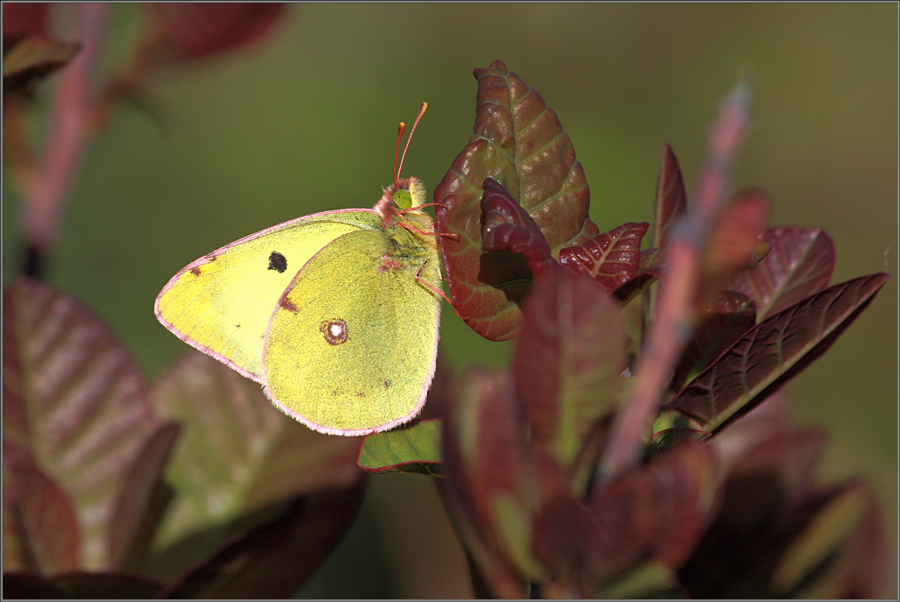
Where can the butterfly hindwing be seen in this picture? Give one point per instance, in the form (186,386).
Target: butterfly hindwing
(351,346)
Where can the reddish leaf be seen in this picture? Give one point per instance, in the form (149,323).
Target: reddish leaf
(24,18)
(671,198)
(485,458)
(275,559)
(132,507)
(567,361)
(74,401)
(657,512)
(518,142)
(237,453)
(46,519)
(192,31)
(732,315)
(766,471)
(611,258)
(734,244)
(506,226)
(773,352)
(803,548)
(799,264)
(80,586)
(649,271)
(862,568)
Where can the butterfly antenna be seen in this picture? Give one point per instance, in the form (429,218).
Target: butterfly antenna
(408,140)
(400,131)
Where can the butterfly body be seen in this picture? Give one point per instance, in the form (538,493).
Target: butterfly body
(336,314)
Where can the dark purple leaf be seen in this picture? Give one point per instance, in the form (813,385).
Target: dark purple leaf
(80,586)
(811,546)
(732,315)
(799,264)
(671,198)
(275,559)
(773,352)
(518,142)
(610,258)
(506,226)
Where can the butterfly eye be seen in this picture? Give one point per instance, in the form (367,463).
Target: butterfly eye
(403,199)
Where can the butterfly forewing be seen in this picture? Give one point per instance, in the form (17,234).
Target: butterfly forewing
(222,303)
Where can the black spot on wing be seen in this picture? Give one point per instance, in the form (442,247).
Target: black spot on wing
(277,262)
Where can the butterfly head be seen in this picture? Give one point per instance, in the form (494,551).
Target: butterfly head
(405,193)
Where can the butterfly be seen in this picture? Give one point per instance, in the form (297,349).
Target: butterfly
(336,314)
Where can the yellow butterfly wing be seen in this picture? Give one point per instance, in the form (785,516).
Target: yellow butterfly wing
(351,346)
(223,302)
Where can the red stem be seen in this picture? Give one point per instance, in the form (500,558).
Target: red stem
(68,132)
(671,328)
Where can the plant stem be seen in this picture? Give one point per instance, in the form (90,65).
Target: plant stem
(68,131)
(671,329)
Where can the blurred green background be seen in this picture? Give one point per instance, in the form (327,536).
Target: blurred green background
(306,122)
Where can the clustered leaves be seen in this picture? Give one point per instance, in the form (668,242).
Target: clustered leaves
(638,444)
(559,483)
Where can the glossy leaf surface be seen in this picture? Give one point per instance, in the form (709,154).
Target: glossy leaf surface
(518,141)
(774,351)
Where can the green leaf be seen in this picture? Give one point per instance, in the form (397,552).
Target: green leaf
(773,352)
(518,141)
(237,454)
(414,448)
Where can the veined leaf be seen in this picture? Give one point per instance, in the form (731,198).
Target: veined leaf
(518,142)
(773,352)
(799,264)
(74,404)
(414,448)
